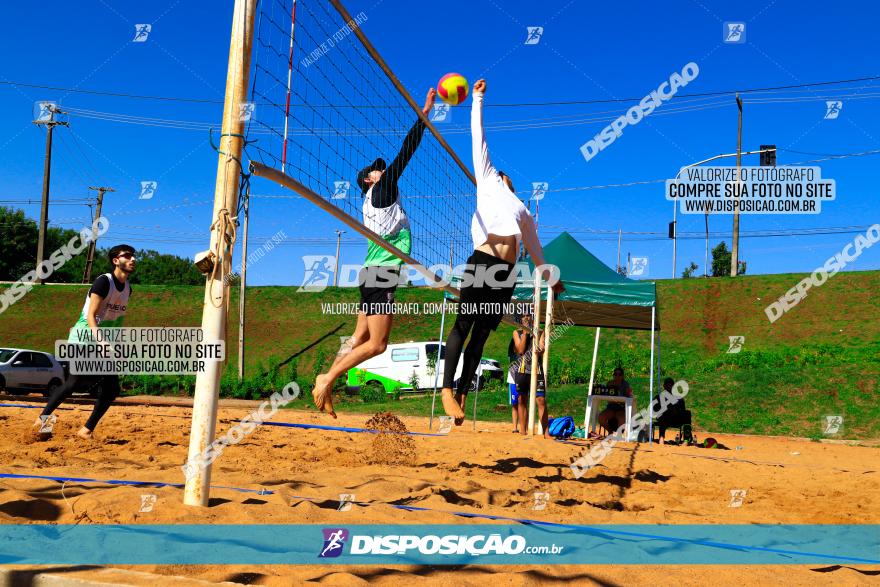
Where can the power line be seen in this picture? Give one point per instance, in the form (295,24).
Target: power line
(503,105)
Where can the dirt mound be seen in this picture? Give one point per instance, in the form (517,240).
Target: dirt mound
(392,445)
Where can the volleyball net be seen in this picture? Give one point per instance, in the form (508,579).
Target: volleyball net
(324,105)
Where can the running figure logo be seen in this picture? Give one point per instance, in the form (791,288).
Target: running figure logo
(340,190)
(141,32)
(47,423)
(736,344)
(441,113)
(539,189)
(832,109)
(639,266)
(445,424)
(148,500)
(832,425)
(541,500)
(734,32)
(148,190)
(334,542)
(318,272)
(246,111)
(737,496)
(46,111)
(345,501)
(534,34)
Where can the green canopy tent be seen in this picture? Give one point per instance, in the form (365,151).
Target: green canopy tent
(597,296)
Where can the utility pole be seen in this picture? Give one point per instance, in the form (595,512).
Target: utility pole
(50,123)
(619,235)
(90,257)
(339,234)
(734,252)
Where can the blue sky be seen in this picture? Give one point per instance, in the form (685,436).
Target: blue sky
(588,51)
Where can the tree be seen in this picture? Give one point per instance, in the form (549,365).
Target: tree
(156,268)
(721,258)
(19,249)
(689,271)
(18,255)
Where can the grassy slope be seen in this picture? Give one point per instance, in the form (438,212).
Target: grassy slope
(823,357)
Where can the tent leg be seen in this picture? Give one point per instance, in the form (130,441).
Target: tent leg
(651,382)
(592,378)
(548,326)
(533,380)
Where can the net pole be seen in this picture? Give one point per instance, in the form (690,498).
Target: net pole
(400,88)
(289,80)
(437,362)
(533,377)
(548,326)
(214,314)
(243,284)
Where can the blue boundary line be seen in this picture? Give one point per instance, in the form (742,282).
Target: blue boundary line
(286,424)
(344,428)
(125,482)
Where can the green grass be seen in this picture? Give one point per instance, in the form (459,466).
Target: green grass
(823,357)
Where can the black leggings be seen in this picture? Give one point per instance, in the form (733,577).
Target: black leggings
(109,391)
(480,331)
(480,312)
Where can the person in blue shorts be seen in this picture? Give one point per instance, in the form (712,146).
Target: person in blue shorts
(522,368)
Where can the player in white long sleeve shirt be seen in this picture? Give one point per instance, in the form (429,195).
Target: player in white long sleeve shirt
(500,223)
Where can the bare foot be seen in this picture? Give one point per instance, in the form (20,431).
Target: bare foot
(461,398)
(451,407)
(84,433)
(322,396)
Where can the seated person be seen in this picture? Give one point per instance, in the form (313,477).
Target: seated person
(614,414)
(675,416)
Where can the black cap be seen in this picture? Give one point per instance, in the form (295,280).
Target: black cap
(377,165)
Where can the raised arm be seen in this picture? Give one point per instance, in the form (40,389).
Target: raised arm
(483,168)
(411,142)
(536,251)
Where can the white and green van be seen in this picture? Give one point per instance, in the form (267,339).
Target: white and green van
(409,367)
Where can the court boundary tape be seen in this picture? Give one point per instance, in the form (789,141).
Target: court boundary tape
(291,425)
(125,482)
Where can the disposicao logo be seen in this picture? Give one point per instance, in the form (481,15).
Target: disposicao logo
(334,542)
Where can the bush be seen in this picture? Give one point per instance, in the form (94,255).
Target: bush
(372,392)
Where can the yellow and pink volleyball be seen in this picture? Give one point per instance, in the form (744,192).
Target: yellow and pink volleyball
(453,88)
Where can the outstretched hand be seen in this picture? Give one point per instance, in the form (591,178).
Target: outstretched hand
(429,101)
(480,86)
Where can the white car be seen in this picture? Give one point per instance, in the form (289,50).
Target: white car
(27,371)
(409,367)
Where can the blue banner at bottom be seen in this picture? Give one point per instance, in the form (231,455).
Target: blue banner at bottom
(439,544)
